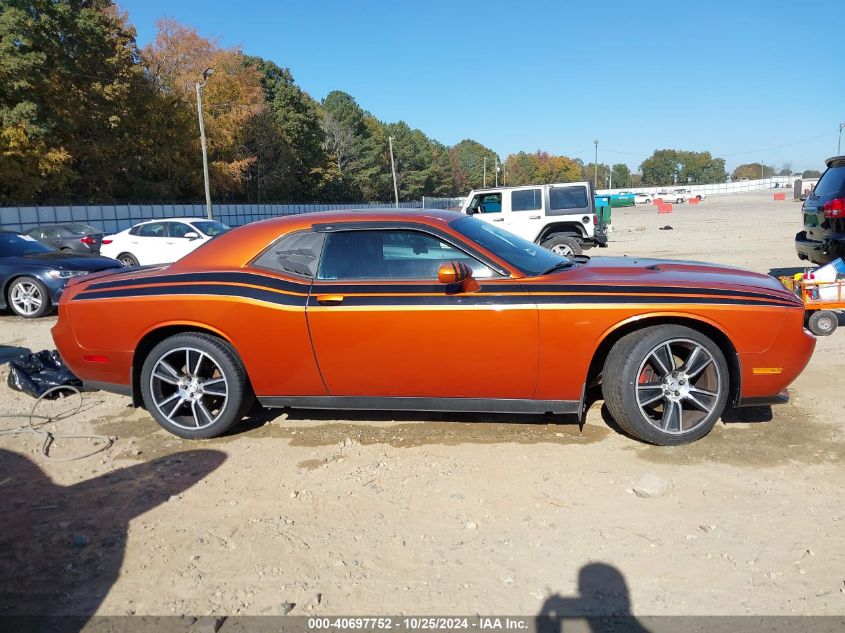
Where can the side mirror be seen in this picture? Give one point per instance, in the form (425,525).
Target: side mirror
(453,272)
(191,235)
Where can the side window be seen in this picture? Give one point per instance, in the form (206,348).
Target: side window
(567,198)
(526,200)
(153,229)
(387,254)
(178,229)
(486,203)
(298,253)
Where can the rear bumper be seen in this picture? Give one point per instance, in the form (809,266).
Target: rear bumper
(816,251)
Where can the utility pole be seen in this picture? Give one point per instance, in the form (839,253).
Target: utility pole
(205,75)
(485,172)
(497,171)
(393,169)
(596,166)
(839,144)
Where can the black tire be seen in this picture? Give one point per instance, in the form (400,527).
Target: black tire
(22,295)
(562,245)
(626,380)
(679,201)
(699,197)
(223,411)
(127,259)
(648,200)
(822,322)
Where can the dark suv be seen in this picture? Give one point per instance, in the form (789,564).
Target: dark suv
(823,237)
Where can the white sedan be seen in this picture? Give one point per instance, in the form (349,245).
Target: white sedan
(160,241)
(643,198)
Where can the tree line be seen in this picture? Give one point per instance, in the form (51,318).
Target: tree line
(87,116)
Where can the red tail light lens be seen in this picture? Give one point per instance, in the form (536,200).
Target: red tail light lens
(87,240)
(106,240)
(834,208)
(595,219)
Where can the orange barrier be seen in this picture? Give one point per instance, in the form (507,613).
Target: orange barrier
(780,196)
(693,201)
(657,201)
(664,208)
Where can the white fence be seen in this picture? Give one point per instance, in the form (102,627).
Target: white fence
(739,186)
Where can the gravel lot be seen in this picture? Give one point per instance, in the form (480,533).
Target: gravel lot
(443,514)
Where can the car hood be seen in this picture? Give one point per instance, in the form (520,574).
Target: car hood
(656,274)
(63,261)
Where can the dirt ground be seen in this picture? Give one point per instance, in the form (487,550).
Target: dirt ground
(393,513)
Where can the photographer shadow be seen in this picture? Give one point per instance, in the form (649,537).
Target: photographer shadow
(63,546)
(603,602)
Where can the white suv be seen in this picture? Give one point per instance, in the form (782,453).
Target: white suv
(560,217)
(160,241)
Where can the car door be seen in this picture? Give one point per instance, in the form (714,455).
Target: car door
(177,244)
(383,326)
(488,207)
(526,212)
(149,244)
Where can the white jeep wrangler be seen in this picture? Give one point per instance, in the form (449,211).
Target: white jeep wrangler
(560,217)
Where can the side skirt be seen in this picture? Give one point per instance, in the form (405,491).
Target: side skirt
(460,405)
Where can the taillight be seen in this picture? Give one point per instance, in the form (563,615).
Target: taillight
(834,208)
(87,240)
(106,240)
(595,219)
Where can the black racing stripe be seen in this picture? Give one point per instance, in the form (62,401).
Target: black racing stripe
(408,288)
(220,277)
(207,289)
(651,290)
(572,299)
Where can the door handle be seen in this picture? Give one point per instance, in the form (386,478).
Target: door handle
(329,300)
(533,217)
(498,219)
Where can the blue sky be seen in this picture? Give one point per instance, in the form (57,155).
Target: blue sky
(749,81)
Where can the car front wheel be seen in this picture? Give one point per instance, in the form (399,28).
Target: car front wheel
(194,385)
(666,384)
(28,298)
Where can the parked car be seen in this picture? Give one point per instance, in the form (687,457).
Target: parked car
(160,241)
(643,198)
(432,311)
(71,237)
(823,237)
(560,217)
(33,275)
(671,196)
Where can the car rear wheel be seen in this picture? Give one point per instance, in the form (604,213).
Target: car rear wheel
(127,259)
(679,200)
(194,385)
(28,297)
(564,246)
(666,384)
(822,322)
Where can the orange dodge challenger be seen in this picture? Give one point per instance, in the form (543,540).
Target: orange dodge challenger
(429,311)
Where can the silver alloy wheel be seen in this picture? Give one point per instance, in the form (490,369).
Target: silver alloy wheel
(189,388)
(126,260)
(26,297)
(678,386)
(563,249)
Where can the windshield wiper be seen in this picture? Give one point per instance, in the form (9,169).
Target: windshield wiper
(566,263)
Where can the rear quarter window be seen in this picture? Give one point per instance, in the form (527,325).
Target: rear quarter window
(832,182)
(564,198)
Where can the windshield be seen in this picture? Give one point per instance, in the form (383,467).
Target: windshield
(13,245)
(527,257)
(211,228)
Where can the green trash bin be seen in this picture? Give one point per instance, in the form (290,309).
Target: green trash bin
(603,210)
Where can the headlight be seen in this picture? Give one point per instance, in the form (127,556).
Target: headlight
(66,274)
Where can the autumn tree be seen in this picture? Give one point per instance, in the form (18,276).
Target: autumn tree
(71,92)
(231,97)
(540,168)
(466,161)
